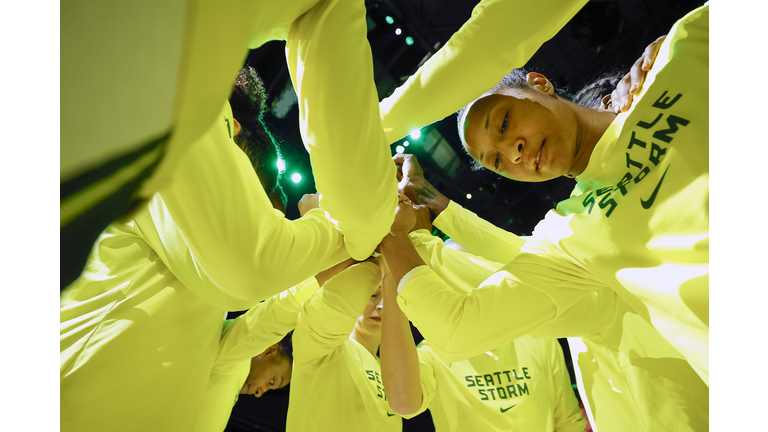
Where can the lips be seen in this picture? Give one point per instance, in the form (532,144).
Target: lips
(538,155)
(377,319)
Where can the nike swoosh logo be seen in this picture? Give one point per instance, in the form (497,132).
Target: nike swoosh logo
(390,415)
(505,410)
(649,203)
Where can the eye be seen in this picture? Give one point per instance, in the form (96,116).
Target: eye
(272,383)
(496,162)
(504,123)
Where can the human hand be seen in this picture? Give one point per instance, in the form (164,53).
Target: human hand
(423,218)
(411,183)
(632,83)
(309,202)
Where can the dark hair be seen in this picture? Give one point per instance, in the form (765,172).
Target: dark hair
(517,79)
(591,96)
(285,346)
(249,103)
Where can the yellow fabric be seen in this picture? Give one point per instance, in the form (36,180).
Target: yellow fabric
(336,382)
(234,235)
(478,236)
(242,339)
(638,219)
(440,87)
(329,59)
(526,378)
(657,260)
(159,290)
(631,379)
(181,55)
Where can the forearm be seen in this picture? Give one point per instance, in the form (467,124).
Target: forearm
(326,51)
(400,254)
(491,43)
(477,235)
(399,360)
(426,194)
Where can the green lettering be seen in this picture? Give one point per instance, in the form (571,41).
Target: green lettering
(492,392)
(498,376)
(664,104)
(656,153)
(672,122)
(622,184)
(511,390)
(631,163)
(468,378)
(377,378)
(508,378)
(525,373)
(523,389)
(514,372)
(477,380)
(502,393)
(370,375)
(642,174)
(634,141)
(645,125)
(488,379)
(588,200)
(482,392)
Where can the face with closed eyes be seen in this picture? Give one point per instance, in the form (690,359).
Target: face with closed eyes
(269,370)
(524,134)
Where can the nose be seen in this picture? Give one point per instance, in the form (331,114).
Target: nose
(515,151)
(260,392)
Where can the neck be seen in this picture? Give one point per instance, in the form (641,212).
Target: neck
(592,125)
(370,342)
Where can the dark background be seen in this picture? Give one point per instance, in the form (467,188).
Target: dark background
(604,36)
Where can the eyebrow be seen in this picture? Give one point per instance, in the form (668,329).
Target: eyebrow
(487,120)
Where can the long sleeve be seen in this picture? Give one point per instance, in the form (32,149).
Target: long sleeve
(327,319)
(215,228)
(503,308)
(500,36)
(262,326)
(567,413)
(329,60)
(462,271)
(478,236)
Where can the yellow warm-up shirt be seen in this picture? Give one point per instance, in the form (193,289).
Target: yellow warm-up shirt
(523,385)
(440,87)
(146,315)
(331,68)
(242,339)
(336,382)
(650,246)
(632,379)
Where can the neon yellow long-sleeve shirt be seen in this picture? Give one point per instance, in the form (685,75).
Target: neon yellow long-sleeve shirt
(440,87)
(339,121)
(523,385)
(659,265)
(336,382)
(242,339)
(159,292)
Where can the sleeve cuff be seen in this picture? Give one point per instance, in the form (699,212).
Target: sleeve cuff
(407,277)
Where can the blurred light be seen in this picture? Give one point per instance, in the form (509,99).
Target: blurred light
(406,143)
(389,20)
(415,134)
(296,177)
(469,196)
(409,40)
(399,149)
(398,31)
(280,165)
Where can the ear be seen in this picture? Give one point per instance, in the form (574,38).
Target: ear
(541,83)
(237,128)
(606,102)
(271,350)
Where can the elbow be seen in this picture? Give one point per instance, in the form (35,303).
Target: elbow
(405,407)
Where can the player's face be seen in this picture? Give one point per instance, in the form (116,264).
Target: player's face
(370,320)
(269,370)
(522,134)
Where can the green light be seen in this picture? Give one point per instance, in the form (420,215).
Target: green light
(389,20)
(409,40)
(405,143)
(296,177)
(415,134)
(280,165)
(400,149)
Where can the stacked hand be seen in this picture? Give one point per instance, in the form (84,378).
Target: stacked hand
(632,83)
